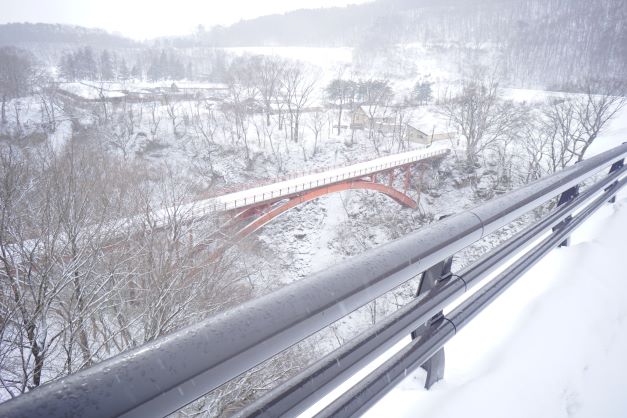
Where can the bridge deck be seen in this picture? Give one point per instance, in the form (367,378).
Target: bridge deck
(287,188)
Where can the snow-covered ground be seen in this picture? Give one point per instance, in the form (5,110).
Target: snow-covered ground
(94,90)
(90,91)
(327,58)
(552,346)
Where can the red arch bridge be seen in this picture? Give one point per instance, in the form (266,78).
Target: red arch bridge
(253,208)
(250,209)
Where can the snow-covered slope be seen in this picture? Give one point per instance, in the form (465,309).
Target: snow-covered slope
(553,345)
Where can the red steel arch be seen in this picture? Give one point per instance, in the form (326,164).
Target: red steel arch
(262,220)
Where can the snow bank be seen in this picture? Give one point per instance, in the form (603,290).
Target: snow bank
(89,91)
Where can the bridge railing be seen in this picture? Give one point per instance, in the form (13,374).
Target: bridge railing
(287,188)
(298,174)
(166,374)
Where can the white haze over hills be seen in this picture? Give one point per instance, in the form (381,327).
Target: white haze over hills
(145,19)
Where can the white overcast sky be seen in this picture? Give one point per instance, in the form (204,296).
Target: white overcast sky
(141,19)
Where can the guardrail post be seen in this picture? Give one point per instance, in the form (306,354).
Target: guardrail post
(615,167)
(438,274)
(564,198)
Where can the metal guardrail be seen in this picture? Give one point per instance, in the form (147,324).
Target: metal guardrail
(368,391)
(166,374)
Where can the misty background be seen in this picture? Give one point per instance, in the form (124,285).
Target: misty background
(119,118)
(532,42)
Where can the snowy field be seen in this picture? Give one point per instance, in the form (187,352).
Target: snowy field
(91,91)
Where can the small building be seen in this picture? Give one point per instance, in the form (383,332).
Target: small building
(418,135)
(414,134)
(371,116)
(386,128)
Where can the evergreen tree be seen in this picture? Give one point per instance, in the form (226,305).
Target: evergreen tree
(106,66)
(154,72)
(123,72)
(86,67)
(162,66)
(136,72)
(189,71)
(67,67)
(422,93)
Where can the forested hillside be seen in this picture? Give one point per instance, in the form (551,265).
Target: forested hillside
(542,41)
(28,34)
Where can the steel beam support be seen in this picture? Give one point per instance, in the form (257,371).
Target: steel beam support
(615,167)
(438,275)
(564,198)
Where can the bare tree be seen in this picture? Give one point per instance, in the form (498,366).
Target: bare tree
(204,120)
(155,119)
(122,134)
(593,109)
(279,158)
(480,116)
(49,246)
(316,122)
(561,133)
(342,93)
(268,81)
(16,73)
(298,83)
(26,292)
(173,109)
(403,118)
(103,99)
(376,97)
(47,92)
(205,124)
(236,110)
